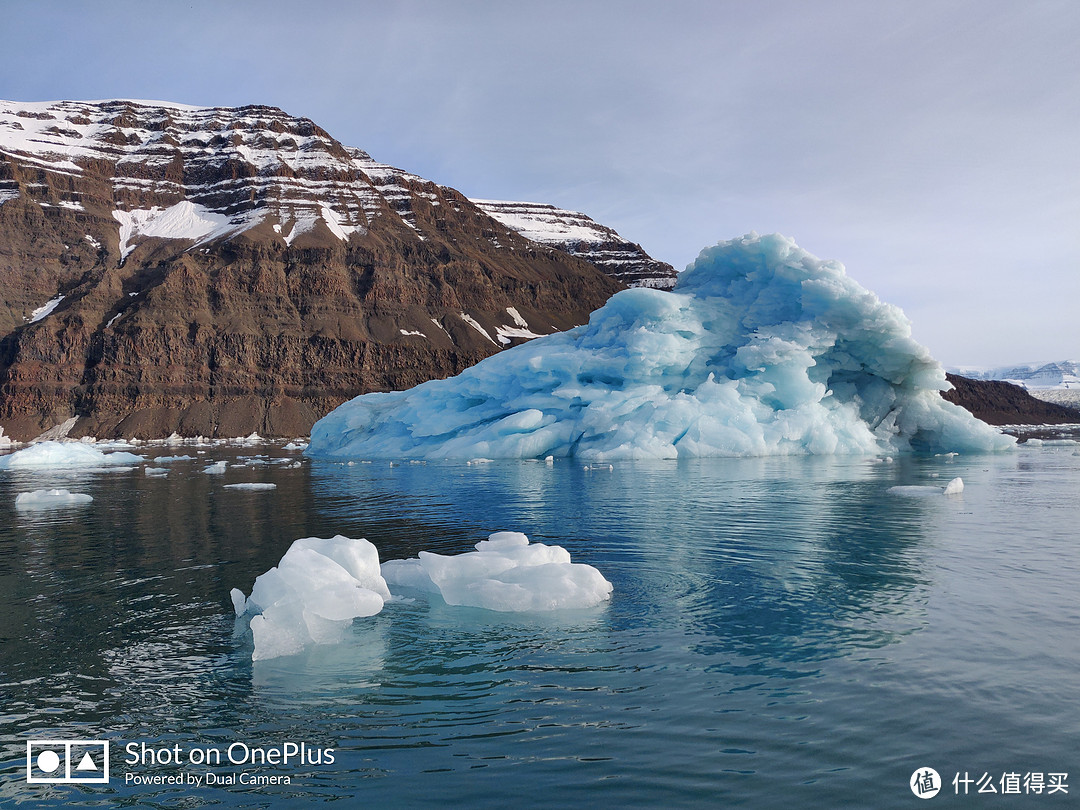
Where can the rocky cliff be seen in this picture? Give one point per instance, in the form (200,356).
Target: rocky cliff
(221,271)
(1001,403)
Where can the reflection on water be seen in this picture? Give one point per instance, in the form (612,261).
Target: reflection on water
(780,629)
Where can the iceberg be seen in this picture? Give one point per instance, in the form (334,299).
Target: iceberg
(312,595)
(506,573)
(52,455)
(760,349)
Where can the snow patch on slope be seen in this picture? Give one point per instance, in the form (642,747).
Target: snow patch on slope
(545,223)
(184,220)
(45,309)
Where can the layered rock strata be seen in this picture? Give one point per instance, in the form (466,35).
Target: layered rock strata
(217,271)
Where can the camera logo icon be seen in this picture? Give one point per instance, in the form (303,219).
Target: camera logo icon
(83,761)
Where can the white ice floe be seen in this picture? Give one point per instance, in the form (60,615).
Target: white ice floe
(53,454)
(172,459)
(254,487)
(50,499)
(217,468)
(505,573)
(312,595)
(954,487)
(761,349)
(321,585)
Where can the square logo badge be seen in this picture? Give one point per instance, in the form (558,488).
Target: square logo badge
(83,761)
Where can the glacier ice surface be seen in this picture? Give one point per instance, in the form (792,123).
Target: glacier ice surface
(505,573)
(61,455)
(760,349)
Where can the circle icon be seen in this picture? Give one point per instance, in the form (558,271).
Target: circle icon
(925,783)
(48,761)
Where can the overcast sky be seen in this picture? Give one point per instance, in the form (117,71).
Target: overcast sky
(931,146)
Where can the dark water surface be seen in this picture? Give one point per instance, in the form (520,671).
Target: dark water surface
(783,633)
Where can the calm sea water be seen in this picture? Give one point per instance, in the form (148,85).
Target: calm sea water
(783,633)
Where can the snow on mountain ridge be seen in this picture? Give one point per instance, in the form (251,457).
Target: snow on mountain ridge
(1058,374)
(297,173)
(287,165)
(580,235)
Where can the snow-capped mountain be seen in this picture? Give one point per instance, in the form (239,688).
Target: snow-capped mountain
(581,236)
(223,270)
(1062,374)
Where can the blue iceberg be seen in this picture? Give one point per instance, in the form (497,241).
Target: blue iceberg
(760,349)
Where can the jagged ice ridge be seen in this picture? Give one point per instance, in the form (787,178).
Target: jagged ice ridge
(760,349)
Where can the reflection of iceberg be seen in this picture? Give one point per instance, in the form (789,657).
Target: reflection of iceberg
(761,349)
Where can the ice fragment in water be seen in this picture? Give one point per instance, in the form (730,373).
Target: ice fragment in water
(60,455)
(505,573)
(312,595)
(50,499)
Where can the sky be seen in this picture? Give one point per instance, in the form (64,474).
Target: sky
(932,146)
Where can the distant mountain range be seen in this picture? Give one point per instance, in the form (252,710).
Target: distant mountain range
(219,271)
(1062,374)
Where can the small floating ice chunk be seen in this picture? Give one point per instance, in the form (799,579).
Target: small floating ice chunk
(156,472)
(505,573)
(312,595)
(217,468)
(55,454)
(171,459)
(50,499)
(253,486)
(954,487)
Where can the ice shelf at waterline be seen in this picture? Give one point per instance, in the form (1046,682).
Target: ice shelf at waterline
(760,349)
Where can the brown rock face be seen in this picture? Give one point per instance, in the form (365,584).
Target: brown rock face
(1002,403)
(222,271)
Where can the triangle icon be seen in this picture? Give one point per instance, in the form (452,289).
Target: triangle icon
(87,763)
